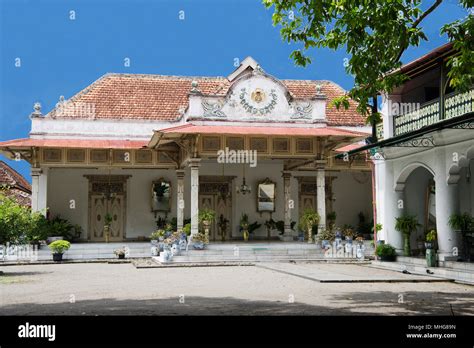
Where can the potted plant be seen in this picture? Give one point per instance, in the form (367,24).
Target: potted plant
(348,234)
(187,229)
(406,224)
(59,229)
(331,220)
(244,225)
(121,252)
(378,228)
(107,223)
(157,236)
(307,221)
(222,224)
(58,248)
(198,240)
(253,227)
(206,217)
(430,248)
(386,252)
(462,223)
(270,225)
(326,237)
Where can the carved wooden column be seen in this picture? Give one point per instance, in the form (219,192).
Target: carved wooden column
(288,232)
(180,199)
(194,163)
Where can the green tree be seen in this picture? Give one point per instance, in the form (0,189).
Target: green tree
(375,35)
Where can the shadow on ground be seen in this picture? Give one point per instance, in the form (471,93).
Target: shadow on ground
(352,303)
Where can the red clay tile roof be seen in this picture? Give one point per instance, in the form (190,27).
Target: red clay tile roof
(20,196)
(252,130)
(74,143)
(10,177)
(158,97)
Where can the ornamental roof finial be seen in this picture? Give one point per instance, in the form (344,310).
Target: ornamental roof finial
(37,112)
(319,89)
(194,87)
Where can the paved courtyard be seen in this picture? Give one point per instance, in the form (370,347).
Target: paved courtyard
(265,289)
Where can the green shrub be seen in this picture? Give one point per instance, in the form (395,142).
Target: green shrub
(385,250)
(59,246)
(187,229)
(59,227)
(17,223)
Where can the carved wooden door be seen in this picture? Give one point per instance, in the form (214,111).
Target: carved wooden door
(213,199)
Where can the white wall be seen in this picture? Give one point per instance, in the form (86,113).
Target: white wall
(70,184)
(352,197)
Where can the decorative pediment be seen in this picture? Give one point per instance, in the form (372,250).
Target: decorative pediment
(255,96)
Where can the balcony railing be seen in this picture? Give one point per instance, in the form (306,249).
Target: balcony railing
(458,104)
(455,105)
(427,114)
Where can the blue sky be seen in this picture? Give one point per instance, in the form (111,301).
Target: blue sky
(60,56)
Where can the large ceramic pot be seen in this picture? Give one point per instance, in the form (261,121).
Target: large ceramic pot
(166,255)
(155,250)
(325,244)
(175,249)
(57,257)
(198,245)
(388,258)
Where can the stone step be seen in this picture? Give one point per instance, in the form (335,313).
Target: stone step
(439,272)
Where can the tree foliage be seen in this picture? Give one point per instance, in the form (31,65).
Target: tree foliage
(375,34)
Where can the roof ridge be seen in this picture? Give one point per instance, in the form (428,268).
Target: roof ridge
(184,77)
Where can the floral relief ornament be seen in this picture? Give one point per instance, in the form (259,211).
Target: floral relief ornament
(258,96)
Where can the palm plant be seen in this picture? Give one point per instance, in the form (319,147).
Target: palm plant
(406,224)
(206,217)
(463,223)
(307,221)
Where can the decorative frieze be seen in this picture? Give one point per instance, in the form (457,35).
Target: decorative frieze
(212,109)
(302,111)
(52,155)
(76,155)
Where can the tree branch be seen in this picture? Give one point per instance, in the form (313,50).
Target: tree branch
(403,46)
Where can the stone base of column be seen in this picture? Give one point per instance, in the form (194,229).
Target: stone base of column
(286,238)
(446,256)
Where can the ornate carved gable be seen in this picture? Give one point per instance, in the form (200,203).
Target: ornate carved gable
(255,96)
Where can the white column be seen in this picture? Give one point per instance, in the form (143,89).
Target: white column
(288,232)
(180,199)
(447,203)
(390,204)
(396,237)
(194,164)
(321,194)
(39,189)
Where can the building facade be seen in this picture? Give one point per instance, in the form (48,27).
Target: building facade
(143,149)
(424,156)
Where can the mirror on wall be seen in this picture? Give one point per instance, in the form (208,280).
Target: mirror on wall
(161,196)
(266,196)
